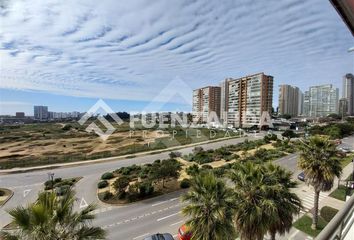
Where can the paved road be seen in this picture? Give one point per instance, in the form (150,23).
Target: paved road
(27,185)
(135,221)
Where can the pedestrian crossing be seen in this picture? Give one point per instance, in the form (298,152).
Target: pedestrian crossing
(307,199)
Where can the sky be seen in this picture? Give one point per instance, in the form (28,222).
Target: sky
(141,55)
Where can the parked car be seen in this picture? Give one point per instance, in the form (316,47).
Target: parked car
(160,236)
(301,176)
(184,233)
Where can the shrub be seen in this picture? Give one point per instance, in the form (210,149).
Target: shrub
(197,150)
(185,183)
(48,183)
(145,189)
(107,195)
(175,154)
(102,184)
(327,213)
(60,191)
(207,167)
(193,170)
(107,175)
(66,127)
(121,184)
(57,180)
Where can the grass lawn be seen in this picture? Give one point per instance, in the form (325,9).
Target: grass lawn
(347,160)
(340,193)
(304,225)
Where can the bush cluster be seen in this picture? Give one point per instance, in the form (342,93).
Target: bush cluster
(107,176)
(328,213)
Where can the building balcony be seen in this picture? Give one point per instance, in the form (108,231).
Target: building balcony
(342,225)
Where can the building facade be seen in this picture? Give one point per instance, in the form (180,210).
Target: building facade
(20,114)
(246,99)
(290,100)
(343,107)
(348,93)
(40,112)
(322,100)
(206,101)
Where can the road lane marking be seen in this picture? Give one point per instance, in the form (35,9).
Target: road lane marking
(162,202)
(159,203)
(163,218)
(141,236)
(83,203)
(26,192)
(173,224)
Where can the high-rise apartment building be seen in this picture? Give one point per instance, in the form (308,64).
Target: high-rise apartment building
(321,100)
(40,112)
(306,108)
(244,100)
(290,100)
(348,92)
(301,103)
(205,101)
(224,98)
(343,107)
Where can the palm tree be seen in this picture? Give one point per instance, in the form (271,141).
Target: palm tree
(253,206)
(287,203)
(52,217)
(320,165)
(210,208)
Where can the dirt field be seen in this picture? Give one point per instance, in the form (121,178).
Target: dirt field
(45,143)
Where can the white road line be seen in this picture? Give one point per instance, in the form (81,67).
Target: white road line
(163,218)
(141,236)
(159,203)
(173,224)
(162,202)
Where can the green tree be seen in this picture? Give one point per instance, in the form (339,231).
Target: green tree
(289,134)
(320,165)
(120,184)
(253,208)
(263,200)
(52,217)
(287,203)
(209,208)
(165,169)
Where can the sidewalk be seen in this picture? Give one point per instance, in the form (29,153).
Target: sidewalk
(295,234)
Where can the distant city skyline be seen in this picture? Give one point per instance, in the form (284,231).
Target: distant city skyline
(82,53)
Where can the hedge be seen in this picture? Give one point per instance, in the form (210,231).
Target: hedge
(185,183)
(328,213)
(102,184)
(107,175)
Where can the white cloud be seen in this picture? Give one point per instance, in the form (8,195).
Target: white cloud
(132,49)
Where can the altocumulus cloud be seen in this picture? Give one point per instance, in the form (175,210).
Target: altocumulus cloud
(131,49)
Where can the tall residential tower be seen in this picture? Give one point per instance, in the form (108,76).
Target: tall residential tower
(205,101)
(290,100)
(245,99)
(348,93)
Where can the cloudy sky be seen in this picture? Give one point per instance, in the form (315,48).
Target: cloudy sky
(68,54)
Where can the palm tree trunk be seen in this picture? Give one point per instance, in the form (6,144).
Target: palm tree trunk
(272,235)
(315,210)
